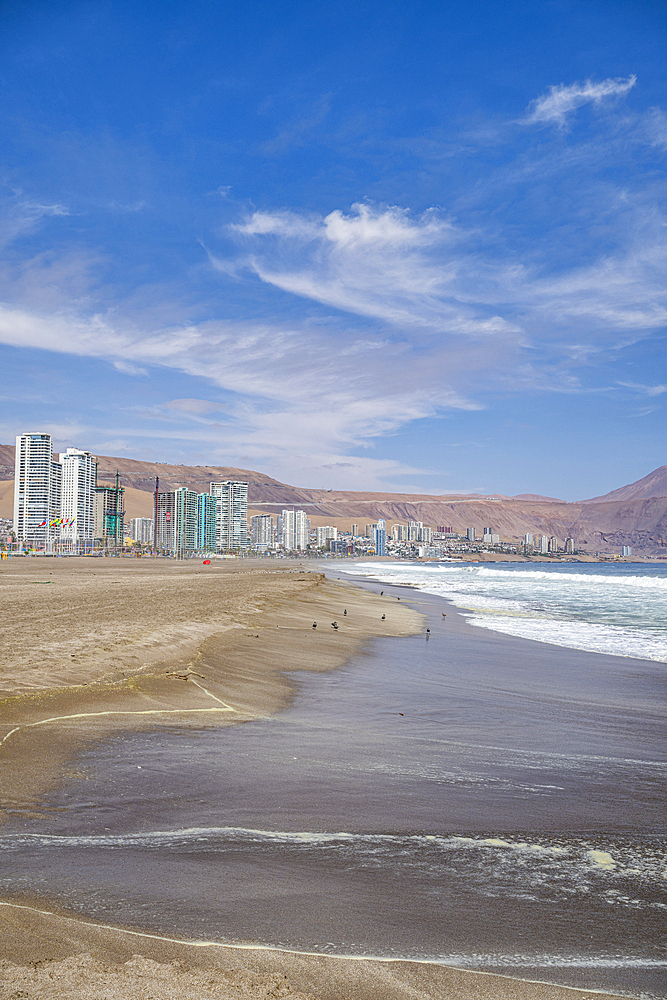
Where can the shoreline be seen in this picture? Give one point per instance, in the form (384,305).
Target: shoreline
(49,939)
(107,953)
(201,670)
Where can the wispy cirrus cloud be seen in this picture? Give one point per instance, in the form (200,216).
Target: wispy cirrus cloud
(424,274)
(560,100)
(20,215)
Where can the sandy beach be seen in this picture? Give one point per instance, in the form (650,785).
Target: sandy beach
(93,647)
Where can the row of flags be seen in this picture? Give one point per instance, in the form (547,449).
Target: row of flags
(64,522)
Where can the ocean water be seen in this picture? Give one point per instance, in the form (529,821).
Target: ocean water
(474,798)
(619,609)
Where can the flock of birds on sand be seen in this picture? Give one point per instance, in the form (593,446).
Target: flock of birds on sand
(335,625)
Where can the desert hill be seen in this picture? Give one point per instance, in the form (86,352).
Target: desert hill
(653,485)
(633,515)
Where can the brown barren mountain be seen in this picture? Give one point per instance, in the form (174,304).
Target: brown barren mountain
(653,485)
(634,515)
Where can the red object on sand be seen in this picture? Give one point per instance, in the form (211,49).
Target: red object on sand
(207,562)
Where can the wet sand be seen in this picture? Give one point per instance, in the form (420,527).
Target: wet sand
(94,647)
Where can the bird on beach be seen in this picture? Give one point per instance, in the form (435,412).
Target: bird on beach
(314,624)
(444,615)
(383,617)
(381,593)
(334,625)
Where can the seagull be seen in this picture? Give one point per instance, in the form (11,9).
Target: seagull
(314,624)
(383,617)
(345,612)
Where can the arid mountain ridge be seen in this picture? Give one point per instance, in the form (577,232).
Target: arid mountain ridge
(633,515)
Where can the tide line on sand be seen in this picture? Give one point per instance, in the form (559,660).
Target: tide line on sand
(380,960)
(149,711)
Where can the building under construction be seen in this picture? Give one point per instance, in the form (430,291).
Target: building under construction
(110,514)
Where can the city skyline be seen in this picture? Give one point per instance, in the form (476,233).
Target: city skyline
(409,248)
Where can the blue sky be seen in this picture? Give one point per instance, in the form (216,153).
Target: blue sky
(388,246)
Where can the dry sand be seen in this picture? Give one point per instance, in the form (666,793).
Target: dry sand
(92,646)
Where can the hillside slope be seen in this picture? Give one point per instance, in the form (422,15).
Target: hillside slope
(653,485)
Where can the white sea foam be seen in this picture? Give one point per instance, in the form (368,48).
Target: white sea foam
(603,610)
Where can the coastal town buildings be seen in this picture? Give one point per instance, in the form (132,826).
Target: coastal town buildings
(325,534)
(186,522)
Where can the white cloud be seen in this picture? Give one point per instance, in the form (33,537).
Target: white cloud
(20,215)
(193,406)
(560,100)
(648,390)
(427,279)
(379,263)
(129,369)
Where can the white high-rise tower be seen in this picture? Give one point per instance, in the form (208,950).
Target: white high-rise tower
(232,518)
(37,486)
(79,479)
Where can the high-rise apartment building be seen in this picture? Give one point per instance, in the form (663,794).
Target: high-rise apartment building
(207,522)
(528,538)
(178,527)
(261,531)
(232,523)
(553,544)
(141,530)
(325,533)
(470,534)
(354,530)
(414,530)
(380,538)
(294,530)
(544,545)
(37,491)
(569,546)
(77,504)
(165,520)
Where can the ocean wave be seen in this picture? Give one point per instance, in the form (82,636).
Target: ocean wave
(590,637)
(606,613)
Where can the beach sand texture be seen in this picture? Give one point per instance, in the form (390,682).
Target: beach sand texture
(91,647)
